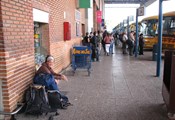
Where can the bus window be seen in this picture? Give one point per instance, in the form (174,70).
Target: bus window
(169,26)
(172,24)
(150,27)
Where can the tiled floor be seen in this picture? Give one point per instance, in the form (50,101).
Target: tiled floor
(120,87)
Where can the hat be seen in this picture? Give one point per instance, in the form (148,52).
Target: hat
(49,58)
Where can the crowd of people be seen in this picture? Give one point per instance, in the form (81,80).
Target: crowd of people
(97,41)
(129,43)
(106,40)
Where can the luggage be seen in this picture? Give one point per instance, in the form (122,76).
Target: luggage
(57,100)
(37,101)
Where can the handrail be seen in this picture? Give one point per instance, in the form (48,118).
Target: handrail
(19,107)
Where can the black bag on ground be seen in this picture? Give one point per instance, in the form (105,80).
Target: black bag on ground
(37,101)
(57,100)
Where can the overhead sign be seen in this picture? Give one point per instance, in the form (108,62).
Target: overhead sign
(141,11)
(84,3)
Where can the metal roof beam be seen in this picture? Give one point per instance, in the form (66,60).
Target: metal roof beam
(141,2)
(149,2)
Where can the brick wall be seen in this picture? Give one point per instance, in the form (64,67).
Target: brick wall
(16,58)
(58,48)
(17,65)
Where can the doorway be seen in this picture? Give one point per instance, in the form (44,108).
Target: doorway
(41,43)
(83,29)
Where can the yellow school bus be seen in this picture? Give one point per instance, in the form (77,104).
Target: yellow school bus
(168,38)
(150,31)
(132,26)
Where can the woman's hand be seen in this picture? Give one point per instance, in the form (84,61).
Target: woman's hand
(57,81)
(63,77)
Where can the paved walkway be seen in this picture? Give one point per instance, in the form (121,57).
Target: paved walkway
(119,88)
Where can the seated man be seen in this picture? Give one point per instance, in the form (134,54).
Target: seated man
(47,77)
(47,72)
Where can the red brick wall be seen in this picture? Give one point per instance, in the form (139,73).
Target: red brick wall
(58,48)
(16,50)
(17,42)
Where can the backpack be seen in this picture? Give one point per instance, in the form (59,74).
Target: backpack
(57,100)
(130,43)
(37,101)
(121,38)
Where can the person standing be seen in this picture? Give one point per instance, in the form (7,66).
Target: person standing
(100,38)
(103,41)
(111,51)
(107,41)
(141,44)
(94,44)
(86,41)
(131,43)
(124,44)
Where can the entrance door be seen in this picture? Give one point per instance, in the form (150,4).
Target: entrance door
(41,43)
(83,29)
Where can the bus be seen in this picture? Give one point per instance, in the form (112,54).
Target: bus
(132,27)
(150,31)
(168,38)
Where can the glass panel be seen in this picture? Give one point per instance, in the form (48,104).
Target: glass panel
(150,27)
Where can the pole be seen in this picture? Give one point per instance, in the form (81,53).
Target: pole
(159,54)
(123,26)
(136,47)
(128,26)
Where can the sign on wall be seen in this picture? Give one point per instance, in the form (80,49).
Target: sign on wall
(40,16)
(99,16)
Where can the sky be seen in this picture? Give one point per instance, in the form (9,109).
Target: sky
(114,14)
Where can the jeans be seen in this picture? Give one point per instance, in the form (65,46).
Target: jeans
(111,48)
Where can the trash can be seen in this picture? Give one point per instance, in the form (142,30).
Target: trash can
(154,53)
(168,88)
(81,58)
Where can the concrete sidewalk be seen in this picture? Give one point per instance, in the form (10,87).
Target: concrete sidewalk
(120,87)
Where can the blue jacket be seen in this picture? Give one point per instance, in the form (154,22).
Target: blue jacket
(46,80)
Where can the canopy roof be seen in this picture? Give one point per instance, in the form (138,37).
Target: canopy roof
(141,2)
